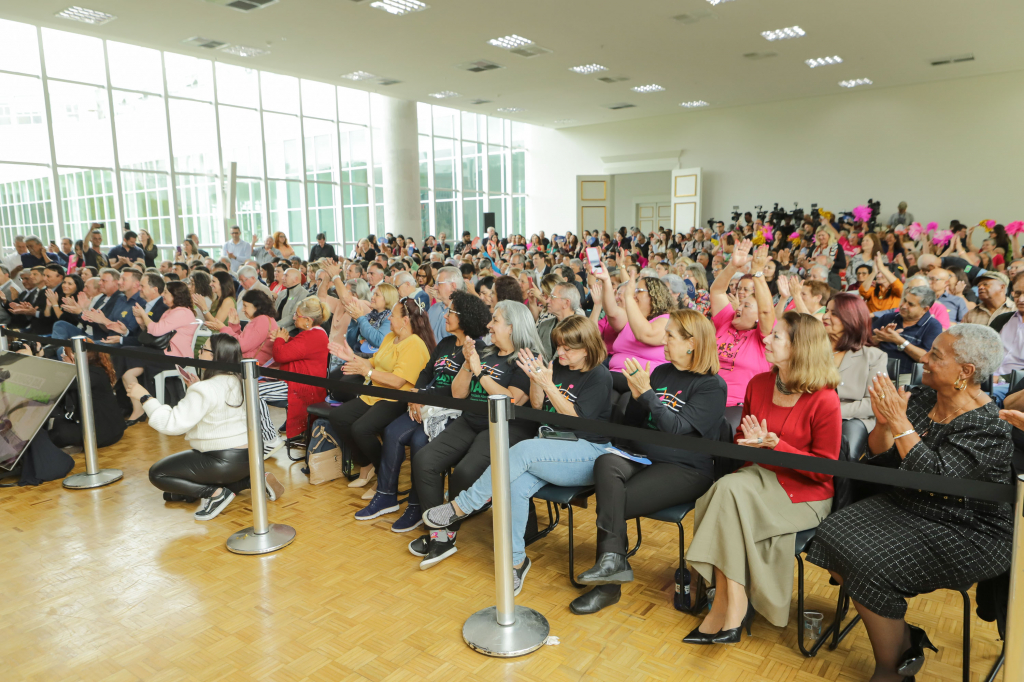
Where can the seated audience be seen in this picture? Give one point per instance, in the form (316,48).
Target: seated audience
(882,289)
(744,526)
(905,542)
(367,329)
(108,423)
(467,318)
(907,334)
(562,303)
(578,385)
(848,325)
(464,446)
(254,337)
(211,416)
(304,353)
(685,397)
(741,333)
(397,364)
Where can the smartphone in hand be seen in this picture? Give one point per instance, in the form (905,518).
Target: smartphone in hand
(594,256)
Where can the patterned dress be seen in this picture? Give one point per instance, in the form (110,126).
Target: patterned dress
(906,542)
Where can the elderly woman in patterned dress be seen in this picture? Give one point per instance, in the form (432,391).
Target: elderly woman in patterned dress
(906,542)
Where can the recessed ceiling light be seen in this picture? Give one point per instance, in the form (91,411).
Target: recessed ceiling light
(359,76)
(694,104)
(784,33)
(653,87)
(854,83)
(588,68)
(86,16)
(511,110)
(510,42)
(718,2)
(823,61)
(399,7)
(243,51)
(444,94)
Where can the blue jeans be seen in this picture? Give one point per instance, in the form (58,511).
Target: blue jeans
(65,330)
(533,464)
(999,392)
(400,433)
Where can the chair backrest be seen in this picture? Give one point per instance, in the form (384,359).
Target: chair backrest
(854,444)
(892,368)
(619,403)
(1016,379)
(723,465)
(986,385)
(916,374)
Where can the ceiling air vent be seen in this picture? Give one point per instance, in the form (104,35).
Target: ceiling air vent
(387,81)
(479,66)
(619,105)
(754,56)
(480,101)
(243,5)
(530,50)
(953,60)
(694,17)
(613,79)
(196,41)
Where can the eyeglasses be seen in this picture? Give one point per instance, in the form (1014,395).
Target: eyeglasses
(452,311)
(206,349)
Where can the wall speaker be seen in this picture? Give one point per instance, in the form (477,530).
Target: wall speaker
(488,220)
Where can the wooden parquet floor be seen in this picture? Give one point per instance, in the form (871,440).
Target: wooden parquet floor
(114,584)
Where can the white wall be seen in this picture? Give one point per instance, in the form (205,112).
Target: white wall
(951,149)
(631,185)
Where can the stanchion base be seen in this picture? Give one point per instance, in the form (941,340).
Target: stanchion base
(247,542)
(100,478)
(482,632)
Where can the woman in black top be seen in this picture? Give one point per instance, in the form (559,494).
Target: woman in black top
(577,384)
(465,443)
(684,397)
(70,288)
(109,424)
(148,248)
(467,317)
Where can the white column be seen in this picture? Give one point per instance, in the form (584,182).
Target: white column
(400,155)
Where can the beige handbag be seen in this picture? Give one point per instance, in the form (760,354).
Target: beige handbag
(323,456)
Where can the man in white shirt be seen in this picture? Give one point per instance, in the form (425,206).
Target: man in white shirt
(13,260)
(236,250)
(248,277)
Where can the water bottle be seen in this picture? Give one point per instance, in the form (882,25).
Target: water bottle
(682,597)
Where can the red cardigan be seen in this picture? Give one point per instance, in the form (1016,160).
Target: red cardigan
(304,353)
(813,427)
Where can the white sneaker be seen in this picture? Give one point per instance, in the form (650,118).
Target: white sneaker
(274,488)
(273,446)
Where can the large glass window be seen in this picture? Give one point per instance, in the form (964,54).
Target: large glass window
(23,135)
(25,202)
(134,68)
(238,85)
(74,57)
(198,211)
(87,196)
(81,124)
(284,155)
(19,50)
(141,131)
(189,76)
(194,136)
(147,205)
(286,210)
(240,140)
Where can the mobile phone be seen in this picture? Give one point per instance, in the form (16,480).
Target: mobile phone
(594,256)
(188,376)
(557,435)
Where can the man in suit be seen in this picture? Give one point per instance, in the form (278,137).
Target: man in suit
(108,306)
(288,298)
(122,327)
(29,302)
(144,291)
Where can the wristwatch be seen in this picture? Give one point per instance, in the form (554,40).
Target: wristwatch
(143,399)
(369,374)
(758,274)
(903,345)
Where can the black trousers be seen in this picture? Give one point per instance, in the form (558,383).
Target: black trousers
(461,447)
(360,426)
(198,474)
(626,490)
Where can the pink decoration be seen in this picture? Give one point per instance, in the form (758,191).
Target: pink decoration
(932,227)
(942,238)
(795,237)
(915,230)
(766,232)
(862,214)
(1015,227)
(900,229)
(990,224)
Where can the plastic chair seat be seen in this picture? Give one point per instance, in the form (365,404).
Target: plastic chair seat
(563,494)
(320,410)
(160,379)
(803,538)
(673,514)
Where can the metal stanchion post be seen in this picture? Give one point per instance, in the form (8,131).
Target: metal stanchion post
(3,338)
(505,630)
(94,477)
(262,537)
(1014,644)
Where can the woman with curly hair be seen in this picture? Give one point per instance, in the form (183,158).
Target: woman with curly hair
(639,323)
(281,244)
(467,317)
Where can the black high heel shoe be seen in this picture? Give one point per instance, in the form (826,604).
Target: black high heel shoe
(912,660)
(733,635)
(698,637)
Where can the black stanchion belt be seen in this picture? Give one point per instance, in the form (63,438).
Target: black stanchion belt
(958,487)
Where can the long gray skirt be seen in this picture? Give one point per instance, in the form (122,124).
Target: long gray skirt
(745,525)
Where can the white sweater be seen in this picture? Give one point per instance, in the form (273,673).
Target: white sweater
(204,416)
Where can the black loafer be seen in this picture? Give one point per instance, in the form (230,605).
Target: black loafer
(596,599)
(610,569)
(133,422)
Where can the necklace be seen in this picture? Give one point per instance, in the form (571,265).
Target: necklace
(781,386)
(951,414)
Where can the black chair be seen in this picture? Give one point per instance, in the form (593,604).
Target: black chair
(1016,380)
(855,442)
(892,368)
(916,374)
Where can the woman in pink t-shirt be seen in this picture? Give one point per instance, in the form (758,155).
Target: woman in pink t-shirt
(740,332)
(639,321)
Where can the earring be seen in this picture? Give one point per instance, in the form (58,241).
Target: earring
(962,384)
(689,352)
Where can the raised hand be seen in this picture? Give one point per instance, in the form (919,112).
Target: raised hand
(757,434)
(638,377)
(741,254)
(760,258)
(215,325)
(338,350)
(200,303)
(232,316)
(783,284)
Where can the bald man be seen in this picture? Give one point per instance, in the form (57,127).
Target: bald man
(940,281)
(288,299)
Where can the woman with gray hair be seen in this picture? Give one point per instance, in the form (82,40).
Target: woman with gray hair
(906,542)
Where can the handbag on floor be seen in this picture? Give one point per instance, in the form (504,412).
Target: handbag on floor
(323,456)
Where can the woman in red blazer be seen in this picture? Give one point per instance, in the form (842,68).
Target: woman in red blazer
(745,525)
(304,353)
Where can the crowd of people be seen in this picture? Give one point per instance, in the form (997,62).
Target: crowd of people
(913,330)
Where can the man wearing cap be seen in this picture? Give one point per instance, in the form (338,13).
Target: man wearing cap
(901,217)
(992,289)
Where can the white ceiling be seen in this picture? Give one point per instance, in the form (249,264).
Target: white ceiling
(892,42)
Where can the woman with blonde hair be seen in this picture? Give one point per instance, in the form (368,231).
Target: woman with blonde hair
(304,353)
(683,397)
(281,244)
(367,329)
(744,527)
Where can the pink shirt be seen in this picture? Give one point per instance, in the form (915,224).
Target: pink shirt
(254,338)
(940,313)
(179,319)
(608,334)
(626,345)
(740,354)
